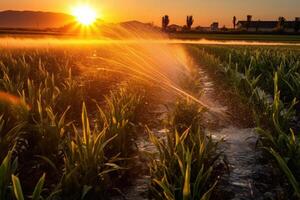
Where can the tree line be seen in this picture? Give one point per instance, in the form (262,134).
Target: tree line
(190,21)
(188,26)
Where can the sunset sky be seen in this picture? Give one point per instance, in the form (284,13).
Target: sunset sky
(204,11)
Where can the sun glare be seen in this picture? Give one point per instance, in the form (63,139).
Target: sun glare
(85,14)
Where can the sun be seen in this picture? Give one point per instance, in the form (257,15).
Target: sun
(85,14)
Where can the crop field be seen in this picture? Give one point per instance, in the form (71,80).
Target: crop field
(268,79)
(238,37)
(71,118)
(102,121)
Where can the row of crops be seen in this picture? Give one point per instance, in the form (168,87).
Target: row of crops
(49,145)
(67,132)
(268,78)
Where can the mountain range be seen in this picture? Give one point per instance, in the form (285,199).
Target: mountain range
(36,22)
(33,19)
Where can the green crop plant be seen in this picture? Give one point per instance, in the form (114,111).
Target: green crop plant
(41,93)
(7,169)
(185,158)
(8,137)
(120,118)
(269,79)
(287,171)
(18,192)
(284,144)
(10,185)
(186,113)
(264,62)
(14,115)
(87,166)
(183,167)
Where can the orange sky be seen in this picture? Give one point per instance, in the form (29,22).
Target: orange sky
(204,11)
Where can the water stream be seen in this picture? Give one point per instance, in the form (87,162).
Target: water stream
(248,177)
(246,171)
(155,113)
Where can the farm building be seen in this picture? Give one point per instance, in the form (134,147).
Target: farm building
(269,26)
(201,28)
(214,26)
(174,28)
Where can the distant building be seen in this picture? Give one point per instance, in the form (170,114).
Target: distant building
(214,26)
(174,28)
(267,26)
(253,26)
(201,28)
(224,28)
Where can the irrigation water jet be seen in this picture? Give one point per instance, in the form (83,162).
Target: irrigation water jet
(158,61)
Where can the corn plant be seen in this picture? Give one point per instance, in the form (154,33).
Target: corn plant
(184,163)
(119,118)
(87,168)
(269,78)
(70,94)
(7,168)
(264,62)
(185,114)
(18,192)
(284,144)
(39,133)
(183,166)
(14,115)
(8,138)
(287,171)
(45,132)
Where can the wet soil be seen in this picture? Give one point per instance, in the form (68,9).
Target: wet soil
(153,115)
(249,175)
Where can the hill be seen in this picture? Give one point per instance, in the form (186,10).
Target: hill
(128,29)
(33,19)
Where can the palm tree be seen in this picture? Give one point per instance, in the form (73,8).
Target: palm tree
(165,22)
(281,21)
(234,22)
(189,22)
(249,19)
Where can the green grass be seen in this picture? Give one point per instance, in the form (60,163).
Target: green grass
(242,37)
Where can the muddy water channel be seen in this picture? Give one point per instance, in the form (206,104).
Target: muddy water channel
(248,175)
(155,113)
